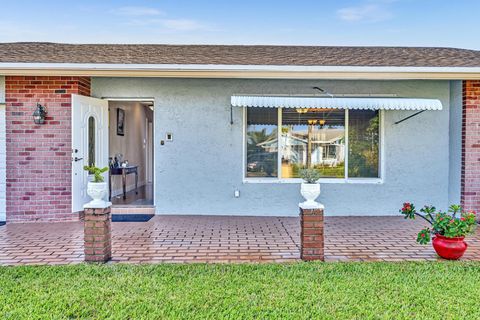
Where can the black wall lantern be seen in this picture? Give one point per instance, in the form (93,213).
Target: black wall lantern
(39,114)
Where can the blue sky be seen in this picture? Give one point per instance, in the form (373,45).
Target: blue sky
(308,22)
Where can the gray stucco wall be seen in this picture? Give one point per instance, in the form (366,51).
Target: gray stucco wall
(198,172)
(455,155)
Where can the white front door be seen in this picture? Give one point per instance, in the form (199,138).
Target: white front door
(89,144)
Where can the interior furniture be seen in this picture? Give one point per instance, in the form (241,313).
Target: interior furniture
(123,171)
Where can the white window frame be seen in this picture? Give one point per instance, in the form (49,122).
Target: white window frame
(381,167)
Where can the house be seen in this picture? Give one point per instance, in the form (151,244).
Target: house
(224,130)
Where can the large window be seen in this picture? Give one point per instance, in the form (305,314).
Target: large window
(338,143)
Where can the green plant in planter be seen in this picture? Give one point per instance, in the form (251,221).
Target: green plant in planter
(310,175)
(454,223)
(97,172)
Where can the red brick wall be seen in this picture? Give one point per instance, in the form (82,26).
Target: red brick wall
(311,234)
(39,156)
(470,181)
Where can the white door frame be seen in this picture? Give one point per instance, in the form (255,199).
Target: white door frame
(140,99)
(149,151)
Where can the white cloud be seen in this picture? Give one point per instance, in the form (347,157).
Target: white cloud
(169,24)
(137,11)
(182,24)
(147,16)
(370,12)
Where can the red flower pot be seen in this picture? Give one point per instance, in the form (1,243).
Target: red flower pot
(449,248)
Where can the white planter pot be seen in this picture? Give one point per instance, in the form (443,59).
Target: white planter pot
(310,191)
(97,191)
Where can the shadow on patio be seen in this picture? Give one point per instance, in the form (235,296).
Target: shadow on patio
(221,239)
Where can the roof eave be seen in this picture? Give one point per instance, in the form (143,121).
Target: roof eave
(240,71)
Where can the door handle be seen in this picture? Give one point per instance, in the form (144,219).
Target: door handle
(77,159)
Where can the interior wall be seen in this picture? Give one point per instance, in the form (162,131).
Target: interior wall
(133,144)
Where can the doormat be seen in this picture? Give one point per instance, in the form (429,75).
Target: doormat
(2,223)
(131,217)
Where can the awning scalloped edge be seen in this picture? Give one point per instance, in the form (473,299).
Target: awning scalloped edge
(354,103)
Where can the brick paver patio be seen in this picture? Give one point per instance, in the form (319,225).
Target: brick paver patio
(221,239)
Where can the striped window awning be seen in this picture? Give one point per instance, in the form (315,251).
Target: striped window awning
(365,103)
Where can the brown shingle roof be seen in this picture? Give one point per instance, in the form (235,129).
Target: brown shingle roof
(238,55)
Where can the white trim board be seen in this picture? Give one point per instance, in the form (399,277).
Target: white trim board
(240,71)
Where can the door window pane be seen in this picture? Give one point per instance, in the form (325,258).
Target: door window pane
(363,140)
(262,142)
(91,141)
(313,138)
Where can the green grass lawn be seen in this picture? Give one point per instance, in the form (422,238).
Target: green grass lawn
(435,290)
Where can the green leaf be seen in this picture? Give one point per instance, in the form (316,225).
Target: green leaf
(423,236)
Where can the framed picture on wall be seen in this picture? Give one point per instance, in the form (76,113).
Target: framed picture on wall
(120,122)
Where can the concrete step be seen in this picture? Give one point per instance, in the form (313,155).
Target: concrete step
(133,210)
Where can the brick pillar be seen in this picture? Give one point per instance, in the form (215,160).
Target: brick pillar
(311,234)
(470,179)
(98,238)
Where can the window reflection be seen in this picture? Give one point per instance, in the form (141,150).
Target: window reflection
(313,138)
(262,142)
(363,140)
